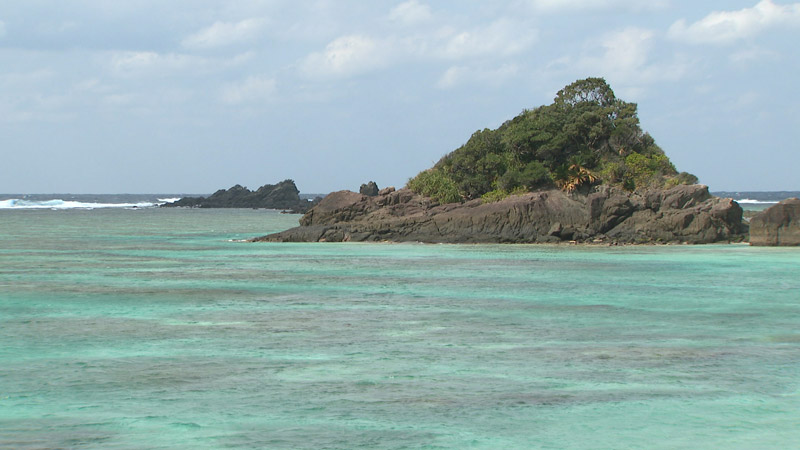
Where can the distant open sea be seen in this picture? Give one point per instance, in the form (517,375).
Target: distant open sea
(129,327)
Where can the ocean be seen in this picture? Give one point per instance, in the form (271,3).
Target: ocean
(134,327)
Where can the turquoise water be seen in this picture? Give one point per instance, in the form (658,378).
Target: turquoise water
(153,328)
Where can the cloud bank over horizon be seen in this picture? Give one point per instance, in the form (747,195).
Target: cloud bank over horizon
(191,96)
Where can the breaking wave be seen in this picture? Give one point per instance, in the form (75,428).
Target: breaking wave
(756,202)
(16,203)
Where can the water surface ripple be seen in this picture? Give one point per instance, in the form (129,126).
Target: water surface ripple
(154,328)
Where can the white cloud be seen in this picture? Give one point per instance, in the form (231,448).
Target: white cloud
(120,100)
(242,58)
(59,27)
(146,63)
(128,61)
(410,13)
(627,50)
(562,6)
(35,105)
(346,56)
(724,27)
(91,86)
(29,78)
(750,54)
(625,58)
(225,33)
(357,54)
(500,38)
(137,63)
(251,90)
(460,75)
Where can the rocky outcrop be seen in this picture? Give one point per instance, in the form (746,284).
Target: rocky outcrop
(283,195)
(369,189)
(682,214)
(777,225)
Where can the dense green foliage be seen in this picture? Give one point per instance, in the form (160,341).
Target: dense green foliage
(585,137)
(436,184)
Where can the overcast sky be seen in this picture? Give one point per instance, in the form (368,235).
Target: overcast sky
(189,96)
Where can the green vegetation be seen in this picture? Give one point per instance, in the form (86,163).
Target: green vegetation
(499,194)
(436,184)
(585,137)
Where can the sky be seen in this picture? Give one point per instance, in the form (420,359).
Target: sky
(189,96)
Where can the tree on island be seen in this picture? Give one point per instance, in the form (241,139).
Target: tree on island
(585,137)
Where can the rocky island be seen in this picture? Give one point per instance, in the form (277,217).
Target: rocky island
(283,195)
(577,170)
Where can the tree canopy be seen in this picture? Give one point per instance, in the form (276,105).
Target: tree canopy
(586,137)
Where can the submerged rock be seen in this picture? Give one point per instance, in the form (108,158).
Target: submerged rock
(683,214)
(778,225)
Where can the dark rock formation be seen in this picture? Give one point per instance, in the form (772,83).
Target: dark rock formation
(369,189)
(777,225)
(681,214)
(283,195)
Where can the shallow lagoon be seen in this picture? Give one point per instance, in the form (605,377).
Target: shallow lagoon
(154,328)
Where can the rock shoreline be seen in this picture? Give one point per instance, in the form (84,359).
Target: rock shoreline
(606,215)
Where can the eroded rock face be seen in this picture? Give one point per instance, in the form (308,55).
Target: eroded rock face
(681,214)
(778,225)
(369,189)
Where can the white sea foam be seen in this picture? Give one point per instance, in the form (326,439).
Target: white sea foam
(169,200)
(755,202)
(16,203)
